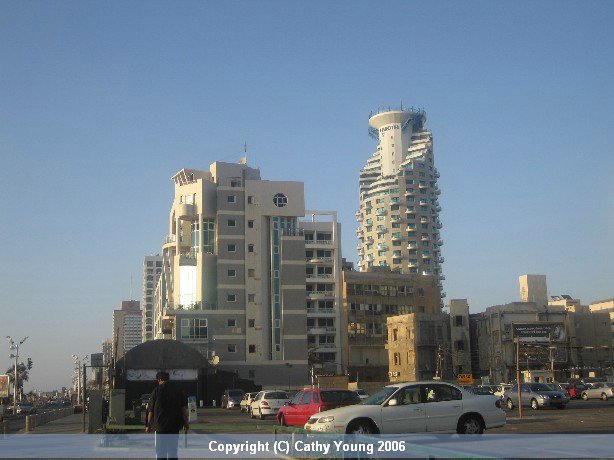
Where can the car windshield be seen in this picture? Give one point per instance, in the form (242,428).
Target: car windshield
(339,396)
(540,387)
(379,397)
(235,393)
(276,395)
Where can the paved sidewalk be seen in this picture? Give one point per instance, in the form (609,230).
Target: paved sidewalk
(66,425)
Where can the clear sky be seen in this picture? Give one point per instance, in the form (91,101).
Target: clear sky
(102,102)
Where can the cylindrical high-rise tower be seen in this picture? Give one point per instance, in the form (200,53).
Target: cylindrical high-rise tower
(399,209)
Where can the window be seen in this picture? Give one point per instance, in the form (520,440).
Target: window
(306,398)
(231,297)
(193,328)
(251,349)
(235,183)
(231,198)
(458,319)
(232,272)
(408,395)
(250,200)
(460,345)
(231,322)
(250,248)
(251,322)
(250,224)
(232,348)
(251,298)
(280,200)
(438,392)
(251,272)
(232,222)
(232,248)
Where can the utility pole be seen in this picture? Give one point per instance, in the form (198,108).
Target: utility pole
(551,359)
(15,346)
(83,405)
(518,376)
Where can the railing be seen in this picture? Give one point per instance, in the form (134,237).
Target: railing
(321,310)
(319,259)
(322,293)
(320,241)
(319,276)
(168,239)
(188,255)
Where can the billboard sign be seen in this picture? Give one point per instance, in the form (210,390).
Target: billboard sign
(465,379)
(4,386)
(540,355)
(539,332)
(97,360)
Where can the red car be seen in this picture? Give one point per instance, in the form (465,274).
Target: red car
(311,401)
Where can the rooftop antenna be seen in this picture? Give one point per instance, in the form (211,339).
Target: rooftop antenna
(243,160)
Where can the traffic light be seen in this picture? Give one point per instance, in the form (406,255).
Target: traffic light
(30,363)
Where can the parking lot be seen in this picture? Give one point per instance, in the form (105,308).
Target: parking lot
(593,416)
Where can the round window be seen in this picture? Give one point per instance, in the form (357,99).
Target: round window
(280,200)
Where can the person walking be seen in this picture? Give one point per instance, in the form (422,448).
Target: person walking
(167,413)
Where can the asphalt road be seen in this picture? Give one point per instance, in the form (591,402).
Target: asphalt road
(593,416)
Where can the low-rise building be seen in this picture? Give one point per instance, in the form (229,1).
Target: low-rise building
(460,343)
(417,347)
(369,298)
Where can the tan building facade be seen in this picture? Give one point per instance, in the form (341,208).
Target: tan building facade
(460,343)
(533,288)
(127,325)
(416,347)
(369,298)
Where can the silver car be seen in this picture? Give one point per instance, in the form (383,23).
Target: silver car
(604,391)
(535,395)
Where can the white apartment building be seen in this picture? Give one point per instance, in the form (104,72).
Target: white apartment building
(325,327)
(399,224)
(233,272)
(152,268)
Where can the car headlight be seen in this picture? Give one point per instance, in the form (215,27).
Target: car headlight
(328,419)
(545,396)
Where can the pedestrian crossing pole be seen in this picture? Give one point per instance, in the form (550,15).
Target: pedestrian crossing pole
(518,376)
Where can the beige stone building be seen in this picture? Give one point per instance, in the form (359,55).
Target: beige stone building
(417,344)
(460,343)
(369,298)
(127,325)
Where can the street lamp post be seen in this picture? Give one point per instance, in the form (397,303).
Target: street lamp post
(15,346)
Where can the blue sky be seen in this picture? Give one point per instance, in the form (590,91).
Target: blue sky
(102,102)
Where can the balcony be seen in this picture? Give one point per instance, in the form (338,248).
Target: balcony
(316,330)
(395,218)
(424,238)
(186,211)
(443,294)
(426,256)
(410,193)
(321,311)
(442,277)
(381,212)
(382,246)
(441,260)
(410,211)
(369,257)
(359,218)
(422,185)
(319,295)
(315,277)
(424,203)
(314,243)
(439,242)
(412,264)
(369,239)
(358,213)
(169,240)
(438,225)
(437,175)
(412,245)
(437,191)
(424,220)
(320,260)
(397,238)
(382,230)
(360,235)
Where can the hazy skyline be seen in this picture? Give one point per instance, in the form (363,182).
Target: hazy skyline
(101,103)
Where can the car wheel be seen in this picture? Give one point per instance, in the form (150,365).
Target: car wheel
(360,428)
(282,420)
(260,416)
(510,404)
(604,397)
(584,397)
(534,404)
(470,425)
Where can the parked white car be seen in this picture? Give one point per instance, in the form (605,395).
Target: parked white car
(362,394)
(414,407)
(603,391)
(246,402)
(501,389)
(268,402)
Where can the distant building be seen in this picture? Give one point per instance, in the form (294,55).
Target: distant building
(369,298)
(126,327)
(460,343)
(533,288)
(418,345)
(569,303)
(606,306)
(152,269)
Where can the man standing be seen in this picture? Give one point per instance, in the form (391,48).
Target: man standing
(167,413)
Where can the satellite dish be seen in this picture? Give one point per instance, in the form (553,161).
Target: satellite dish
(215,360)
